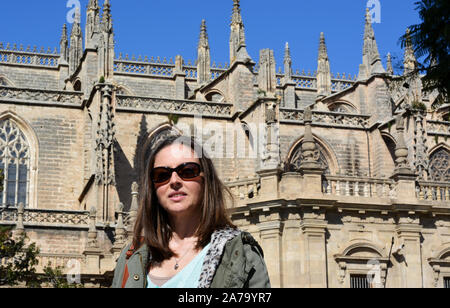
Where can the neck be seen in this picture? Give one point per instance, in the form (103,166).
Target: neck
(185,228)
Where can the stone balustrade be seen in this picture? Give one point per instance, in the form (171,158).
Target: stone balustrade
(29,56)
(358,187)
(244,189)
(433,191)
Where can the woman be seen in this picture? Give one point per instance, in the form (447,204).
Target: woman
(182,236)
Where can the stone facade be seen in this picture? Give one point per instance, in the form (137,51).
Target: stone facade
(338,178)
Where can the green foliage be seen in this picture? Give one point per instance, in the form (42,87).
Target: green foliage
(54,278)
(419,106)
(431,39)
(102,80)
(262,93)
(173,119)
(21,259)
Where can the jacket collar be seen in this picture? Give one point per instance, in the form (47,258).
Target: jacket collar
(212,259)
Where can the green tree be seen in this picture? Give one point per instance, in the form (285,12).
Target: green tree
(19,261)
(431,41)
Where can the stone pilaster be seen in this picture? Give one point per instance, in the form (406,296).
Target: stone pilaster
(180,79)
(292,261)
(313,226)
(270,229)
(408,232)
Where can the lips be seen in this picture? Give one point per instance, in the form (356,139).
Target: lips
(177,196)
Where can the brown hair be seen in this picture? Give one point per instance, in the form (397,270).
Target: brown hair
(152,222)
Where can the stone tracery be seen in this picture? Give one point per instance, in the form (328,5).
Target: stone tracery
(15,163)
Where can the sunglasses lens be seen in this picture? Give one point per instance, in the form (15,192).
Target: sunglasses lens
(189,171)
(160,175)
(186,172)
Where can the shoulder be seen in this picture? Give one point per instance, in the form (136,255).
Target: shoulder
(245,242)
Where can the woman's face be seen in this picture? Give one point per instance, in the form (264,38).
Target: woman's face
(179,197)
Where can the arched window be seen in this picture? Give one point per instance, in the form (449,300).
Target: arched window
(15,164)
(440,166)
(296,159)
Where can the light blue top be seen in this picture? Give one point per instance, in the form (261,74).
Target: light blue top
(188,277)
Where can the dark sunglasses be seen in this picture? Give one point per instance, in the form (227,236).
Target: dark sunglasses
(186,171)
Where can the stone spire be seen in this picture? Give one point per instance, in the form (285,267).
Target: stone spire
(371,57)
(92,23)
(267,81)
(389,68)
(238,48)
(323,69)
(409,61)
(106,43)
(287,64)
(107,17)
(203,57)
(64,46)
(76,43)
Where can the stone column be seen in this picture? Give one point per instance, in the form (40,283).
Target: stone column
(313,226)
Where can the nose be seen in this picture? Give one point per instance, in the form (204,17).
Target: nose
(175,180)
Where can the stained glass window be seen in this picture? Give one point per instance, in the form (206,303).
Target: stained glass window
(14,163)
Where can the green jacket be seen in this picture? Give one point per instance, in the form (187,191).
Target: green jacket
(234,260)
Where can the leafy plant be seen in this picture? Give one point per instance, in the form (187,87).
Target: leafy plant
(430,39)
(416,105)
(102,79)
(19,262)
(173,119)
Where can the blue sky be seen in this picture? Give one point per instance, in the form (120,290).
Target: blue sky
(166,28)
